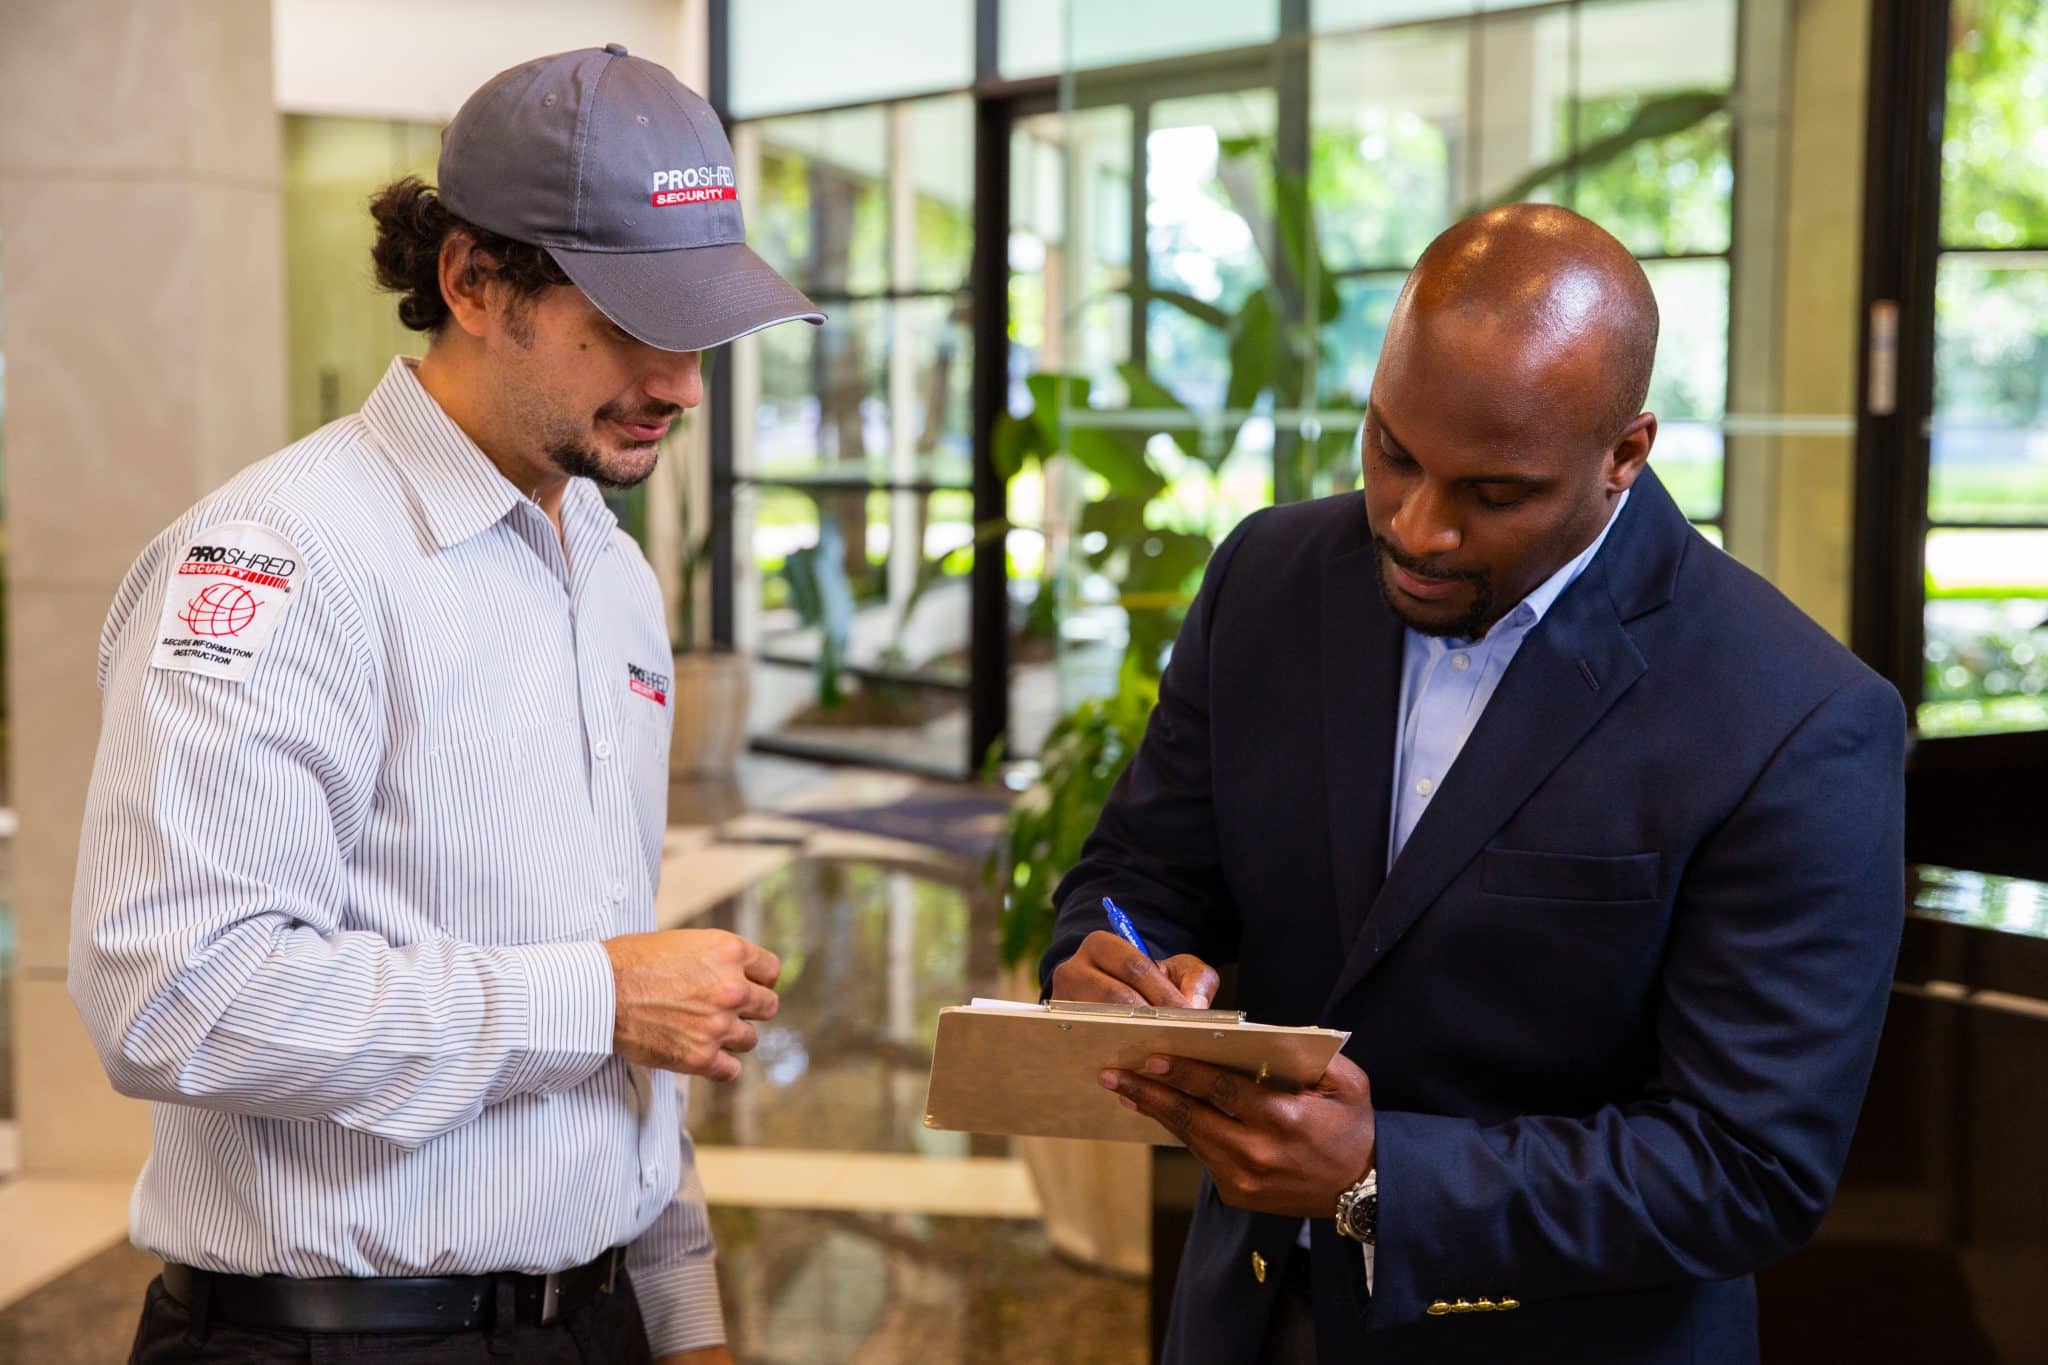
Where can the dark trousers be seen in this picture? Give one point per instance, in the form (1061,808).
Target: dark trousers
(606,1332)
(1291,1330)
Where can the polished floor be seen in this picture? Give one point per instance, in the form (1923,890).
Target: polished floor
(847,1231)
(801,1288)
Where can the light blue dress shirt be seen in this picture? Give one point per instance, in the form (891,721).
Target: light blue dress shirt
(1445,686)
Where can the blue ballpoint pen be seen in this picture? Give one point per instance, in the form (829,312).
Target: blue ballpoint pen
(1126,930)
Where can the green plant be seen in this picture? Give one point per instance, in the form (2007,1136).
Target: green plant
(1082,757)
(823,598)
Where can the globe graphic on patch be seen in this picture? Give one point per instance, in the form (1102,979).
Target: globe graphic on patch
(221,610)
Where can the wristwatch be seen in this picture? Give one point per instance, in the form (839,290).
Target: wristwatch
(1358,1209)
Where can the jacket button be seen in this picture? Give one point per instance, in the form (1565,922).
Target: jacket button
(1258,1267)
(1485,1306)
(1509,1305)
(1461,1306)
(1437,1309)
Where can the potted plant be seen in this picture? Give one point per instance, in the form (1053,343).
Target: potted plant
(1096,1196)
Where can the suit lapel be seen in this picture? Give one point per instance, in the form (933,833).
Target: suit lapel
(1361,683)
(1573,667)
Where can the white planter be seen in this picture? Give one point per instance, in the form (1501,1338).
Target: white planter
(711,714)
(1097,1198)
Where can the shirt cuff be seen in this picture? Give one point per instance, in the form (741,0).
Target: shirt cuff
(571,1011)
(679,1303)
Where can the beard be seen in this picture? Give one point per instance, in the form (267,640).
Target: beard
(579,457)
(582,460)
(1468,625)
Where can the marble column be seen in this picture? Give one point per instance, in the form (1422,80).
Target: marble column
(141,279)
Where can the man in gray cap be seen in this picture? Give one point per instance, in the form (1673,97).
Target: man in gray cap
(365,896)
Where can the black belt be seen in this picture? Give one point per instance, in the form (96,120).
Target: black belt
(446,1303)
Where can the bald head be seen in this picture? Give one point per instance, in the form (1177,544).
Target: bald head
(1553,289)
(1506,420)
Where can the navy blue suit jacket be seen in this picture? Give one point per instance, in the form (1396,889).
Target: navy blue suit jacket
(1619,995)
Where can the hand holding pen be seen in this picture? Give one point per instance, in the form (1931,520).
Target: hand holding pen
(1113,966)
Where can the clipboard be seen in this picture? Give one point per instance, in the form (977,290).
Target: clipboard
(1029,1070)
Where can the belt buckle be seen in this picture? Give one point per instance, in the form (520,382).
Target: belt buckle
(550,1299)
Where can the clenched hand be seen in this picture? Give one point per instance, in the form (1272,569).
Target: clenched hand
(686,996)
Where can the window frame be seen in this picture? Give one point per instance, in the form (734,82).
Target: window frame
(1282,66)
(1967,796)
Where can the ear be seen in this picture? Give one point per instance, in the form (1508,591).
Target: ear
(466,284)
(1630,453)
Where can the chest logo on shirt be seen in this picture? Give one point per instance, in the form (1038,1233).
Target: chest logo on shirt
(227,591)
(645,682)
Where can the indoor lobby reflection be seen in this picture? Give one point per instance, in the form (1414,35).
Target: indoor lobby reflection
(846,1230)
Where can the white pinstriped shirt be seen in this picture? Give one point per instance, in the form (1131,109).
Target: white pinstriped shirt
(338,918)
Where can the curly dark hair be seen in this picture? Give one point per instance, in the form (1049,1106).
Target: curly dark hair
(412,223)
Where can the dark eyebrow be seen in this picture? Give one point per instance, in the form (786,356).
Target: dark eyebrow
(1518,480)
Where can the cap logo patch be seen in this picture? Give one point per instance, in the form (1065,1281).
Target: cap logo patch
(694,185)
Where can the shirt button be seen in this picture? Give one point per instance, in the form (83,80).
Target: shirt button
(1425,786)
(603,748)
(618,891)
(647,1177)
(1461,662)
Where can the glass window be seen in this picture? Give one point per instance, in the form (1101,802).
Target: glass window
(1208,182)
(1653,135)
(1689,388)
(1099,35)
(1618,110)
(863,619)
(807,54)
(1986,646)
(821,212)
(1985,624)
(935,146)
(1031,38)
(1994,149)
(1990,437)
(1337,16)
(853,457)
(1070,313)
(830,405)
(1389,115)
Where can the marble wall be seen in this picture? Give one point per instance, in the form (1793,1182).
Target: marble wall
(141,276)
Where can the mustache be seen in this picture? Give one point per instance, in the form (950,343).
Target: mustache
(1422,568)
(646,417)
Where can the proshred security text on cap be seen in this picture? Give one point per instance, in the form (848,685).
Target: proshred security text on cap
(625,176)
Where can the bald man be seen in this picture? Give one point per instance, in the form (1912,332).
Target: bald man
(1589,839)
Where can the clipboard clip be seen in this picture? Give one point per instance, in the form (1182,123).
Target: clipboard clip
(1146,1012)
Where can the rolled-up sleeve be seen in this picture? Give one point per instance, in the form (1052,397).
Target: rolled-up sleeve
(208,957)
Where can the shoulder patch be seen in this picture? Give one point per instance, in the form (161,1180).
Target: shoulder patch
(229,589)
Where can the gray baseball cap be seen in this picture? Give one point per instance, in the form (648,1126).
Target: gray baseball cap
(625,176)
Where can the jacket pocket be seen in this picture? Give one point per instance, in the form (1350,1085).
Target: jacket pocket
(1569,876)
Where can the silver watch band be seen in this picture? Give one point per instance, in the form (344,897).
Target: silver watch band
(1358,1209)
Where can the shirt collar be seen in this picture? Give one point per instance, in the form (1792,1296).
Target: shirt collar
(458,490)
(1550,589)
